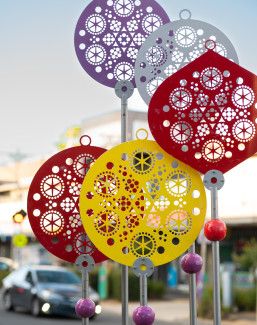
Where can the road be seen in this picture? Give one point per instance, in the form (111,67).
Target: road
(23,318)
(167,313)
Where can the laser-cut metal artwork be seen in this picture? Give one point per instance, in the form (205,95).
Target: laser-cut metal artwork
(53,203)
(206,114)
(109,34)
(173,46)
(143,203)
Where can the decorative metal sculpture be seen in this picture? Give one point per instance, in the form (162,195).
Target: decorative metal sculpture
(137,201)
(205,114)
(109,34)
(172,47)
(53,203)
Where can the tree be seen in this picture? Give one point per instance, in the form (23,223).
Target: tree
(248,258)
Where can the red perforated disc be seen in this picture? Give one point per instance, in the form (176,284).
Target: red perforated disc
(53,203)
(206,114)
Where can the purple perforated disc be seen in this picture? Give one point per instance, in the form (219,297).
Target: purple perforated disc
(109,34)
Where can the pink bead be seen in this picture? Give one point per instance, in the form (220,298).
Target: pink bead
(85,308)
(191,263)
(143,315)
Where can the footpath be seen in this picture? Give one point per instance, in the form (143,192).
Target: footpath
(176,312)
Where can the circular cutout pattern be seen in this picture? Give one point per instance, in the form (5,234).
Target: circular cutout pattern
(53,203)
(185,36)
(131,189)
(180,98)
(109,34)
(244,130)
(52,186)
(52,222)
(243,96)
(181,132)
(211,78)
(82,164)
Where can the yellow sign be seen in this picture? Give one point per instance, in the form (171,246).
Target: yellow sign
(20,240)
(138,201)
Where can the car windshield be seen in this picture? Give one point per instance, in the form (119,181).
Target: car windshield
(45,276)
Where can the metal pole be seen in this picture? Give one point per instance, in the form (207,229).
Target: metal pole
(192,293)
(215,262)
(124,90)
(143,290)
(124,268)
(85,292)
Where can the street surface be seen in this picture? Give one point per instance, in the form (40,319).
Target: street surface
(167,313)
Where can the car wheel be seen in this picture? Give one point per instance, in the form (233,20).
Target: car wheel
(35,307)
(7,302)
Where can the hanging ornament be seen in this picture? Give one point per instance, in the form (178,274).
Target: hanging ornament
(205,114)
(143,203)
(172,47)
(109,34)
(53,202)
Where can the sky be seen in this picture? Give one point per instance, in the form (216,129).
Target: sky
(43,88)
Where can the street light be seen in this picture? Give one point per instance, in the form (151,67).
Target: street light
(19,216)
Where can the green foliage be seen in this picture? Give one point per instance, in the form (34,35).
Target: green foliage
(114,284)
(205,306)
(3,274)
(248,259)
(93,279)
(245,299)
(156,289)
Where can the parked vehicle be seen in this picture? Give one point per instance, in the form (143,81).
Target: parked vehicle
(44,290)
(7,264)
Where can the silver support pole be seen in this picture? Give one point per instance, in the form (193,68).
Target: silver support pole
(85,292)
(192,293)
(124,90)
(124,268)
(124,294)
(143,290)
(85,264)
(216,262)
(214,181)
(124,113)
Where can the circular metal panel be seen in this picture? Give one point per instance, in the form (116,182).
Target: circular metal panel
(143,266)
(124,89)
(53,203)
(172,47)
(109,34)
(205,114)
(143,203)
(85,263)
(213,179)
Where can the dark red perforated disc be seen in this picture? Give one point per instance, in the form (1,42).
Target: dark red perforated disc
(206,114)
(53,203)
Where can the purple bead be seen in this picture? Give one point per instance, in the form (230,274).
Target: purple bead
(191,263)
(85,308)
(143,315)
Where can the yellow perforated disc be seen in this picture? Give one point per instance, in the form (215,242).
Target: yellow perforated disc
(138,201)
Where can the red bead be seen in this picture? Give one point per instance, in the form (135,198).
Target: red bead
(215,230)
